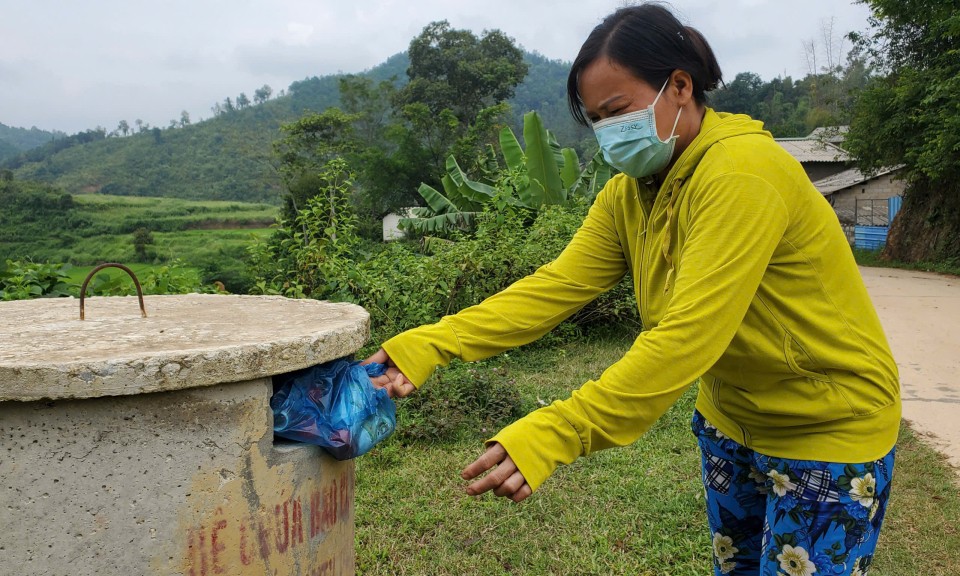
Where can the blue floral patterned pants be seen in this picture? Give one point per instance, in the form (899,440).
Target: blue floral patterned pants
(778,517)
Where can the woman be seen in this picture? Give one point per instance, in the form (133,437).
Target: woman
(744,279)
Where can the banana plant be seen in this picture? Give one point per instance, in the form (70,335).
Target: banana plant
(554,174)
(543,174)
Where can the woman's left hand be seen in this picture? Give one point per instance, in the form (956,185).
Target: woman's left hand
(504,479)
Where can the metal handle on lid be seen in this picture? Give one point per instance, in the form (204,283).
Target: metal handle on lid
(83,288)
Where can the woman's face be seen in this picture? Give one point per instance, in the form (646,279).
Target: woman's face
(608,89)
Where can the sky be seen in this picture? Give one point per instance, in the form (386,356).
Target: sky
(68,65)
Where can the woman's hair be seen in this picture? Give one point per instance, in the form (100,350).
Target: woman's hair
(650,42)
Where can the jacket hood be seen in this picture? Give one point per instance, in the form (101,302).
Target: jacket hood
(716,126)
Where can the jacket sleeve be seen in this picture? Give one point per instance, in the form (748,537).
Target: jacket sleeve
(735,223)
(592,263)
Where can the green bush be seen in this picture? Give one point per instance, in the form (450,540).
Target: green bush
(23,280)
(462,402)
(402,288)
(404,285)
(172,278)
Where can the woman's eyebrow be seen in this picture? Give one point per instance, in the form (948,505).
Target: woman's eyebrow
(605,105)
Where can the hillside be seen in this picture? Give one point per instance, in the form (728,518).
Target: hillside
(229,157)
(13,141)
(41,224)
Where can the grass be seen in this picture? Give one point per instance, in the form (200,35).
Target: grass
(636,510)
(872,258)
(124,213)
(78,273)
(192,247)
(184,229)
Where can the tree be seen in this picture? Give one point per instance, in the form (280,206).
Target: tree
(911,117)
(742,95)
(456,78)
(262,94)
(142,237)
(454,70)
(371,103)
(123,127)
(305,151)
(184,118)
(242,101)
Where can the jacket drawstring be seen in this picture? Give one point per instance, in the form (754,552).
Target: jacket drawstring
(668,235)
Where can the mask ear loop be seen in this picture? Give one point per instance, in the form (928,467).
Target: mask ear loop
(660,93)
(676,121)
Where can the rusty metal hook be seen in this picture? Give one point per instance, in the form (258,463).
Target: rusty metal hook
(83,288)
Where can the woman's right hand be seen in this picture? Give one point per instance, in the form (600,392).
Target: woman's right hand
(397,385)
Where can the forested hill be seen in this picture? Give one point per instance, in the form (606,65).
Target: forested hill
(13,141)
(229,156)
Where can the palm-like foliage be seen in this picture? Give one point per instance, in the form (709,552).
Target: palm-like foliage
(544,174)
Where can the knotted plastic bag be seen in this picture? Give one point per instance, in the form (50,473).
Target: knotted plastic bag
(333,405)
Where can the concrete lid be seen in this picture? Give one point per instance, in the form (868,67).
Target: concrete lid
(186,341)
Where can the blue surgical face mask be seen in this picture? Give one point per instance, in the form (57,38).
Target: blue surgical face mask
(630,142)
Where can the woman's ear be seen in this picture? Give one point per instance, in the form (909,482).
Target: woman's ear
(681,87)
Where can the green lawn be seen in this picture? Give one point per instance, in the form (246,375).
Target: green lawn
(636,510)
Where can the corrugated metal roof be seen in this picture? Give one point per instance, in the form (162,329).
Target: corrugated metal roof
(806,150)
(831,134)
(846,179)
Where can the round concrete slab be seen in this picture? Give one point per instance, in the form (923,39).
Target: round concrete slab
(186,341)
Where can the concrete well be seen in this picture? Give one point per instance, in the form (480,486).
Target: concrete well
(134,445)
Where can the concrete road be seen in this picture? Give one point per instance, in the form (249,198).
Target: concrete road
(920,312)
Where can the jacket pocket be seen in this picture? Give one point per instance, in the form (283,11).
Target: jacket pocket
(800,362)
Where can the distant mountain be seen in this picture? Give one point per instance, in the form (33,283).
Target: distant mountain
(229,157)
(13,141)
(7,150)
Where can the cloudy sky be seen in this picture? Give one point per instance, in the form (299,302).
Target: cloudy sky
(70,65)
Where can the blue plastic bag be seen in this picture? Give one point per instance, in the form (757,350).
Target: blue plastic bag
(333,405)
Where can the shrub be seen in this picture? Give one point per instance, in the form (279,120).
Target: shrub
(22,280)
(172,278)
(403,289)
(462,402)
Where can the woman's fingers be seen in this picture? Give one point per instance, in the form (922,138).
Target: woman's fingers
(493,455)
(379,357)
(399,386)
(504,478)
(511,485)
(522,494)
(392,379)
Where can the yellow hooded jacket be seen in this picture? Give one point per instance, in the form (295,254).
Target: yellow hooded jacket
(743,278)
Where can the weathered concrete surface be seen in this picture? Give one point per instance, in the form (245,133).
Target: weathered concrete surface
(192,340)
(145,446)
(185,482)
(920,313)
